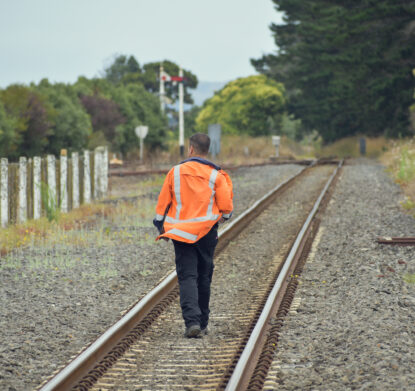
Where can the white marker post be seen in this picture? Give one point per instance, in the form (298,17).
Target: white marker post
(64,181)
(276,143)
(105,171)
(97,173)
(181,114)
(22,189)
(141,132)
(100,172)
(75,180)
(87,178)
(37,203)
(4,191)
(51,173)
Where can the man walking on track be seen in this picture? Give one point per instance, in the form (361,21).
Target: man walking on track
(195,197)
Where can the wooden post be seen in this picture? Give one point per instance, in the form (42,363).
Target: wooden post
(100,172)
(97,176)
(4,191)
(105,172)
(87,179)
(75,180)
(51,172)
(64,181)
(22,215)
(37,201)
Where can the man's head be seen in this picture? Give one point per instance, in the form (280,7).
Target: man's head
(199,145)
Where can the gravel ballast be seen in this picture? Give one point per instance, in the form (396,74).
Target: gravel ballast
(162,359)
(58,297)
(354,328)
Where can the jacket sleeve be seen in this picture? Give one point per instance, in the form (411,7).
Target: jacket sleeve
(165,198)
(224,194)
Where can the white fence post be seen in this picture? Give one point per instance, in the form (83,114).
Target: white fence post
(22,190)
(51,173)
(37,202)
(75,180)
(64,181)
(97,167)
(4,191)
(99,172)
(105,171)
(87,178)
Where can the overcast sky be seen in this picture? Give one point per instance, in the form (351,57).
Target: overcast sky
(63,39)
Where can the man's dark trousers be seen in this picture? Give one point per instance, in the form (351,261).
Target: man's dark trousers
(194,266)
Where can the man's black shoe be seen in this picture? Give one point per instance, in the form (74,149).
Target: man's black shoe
(192,331)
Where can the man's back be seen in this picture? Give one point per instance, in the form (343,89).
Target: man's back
(197,195)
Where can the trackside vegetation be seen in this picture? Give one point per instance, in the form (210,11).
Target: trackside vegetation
(46,117)
(346,65)
(252,105)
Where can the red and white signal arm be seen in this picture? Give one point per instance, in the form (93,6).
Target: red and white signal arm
(165,76)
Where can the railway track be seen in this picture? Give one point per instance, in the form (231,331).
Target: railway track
(145,350)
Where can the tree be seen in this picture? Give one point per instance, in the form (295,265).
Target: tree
(105,115)
(126,70)
(130,105)
(244,106)
(138,107)
(9,138)
(346,65)
(70,125)
(31,113)
(151,82)
(121,66)
(190,120)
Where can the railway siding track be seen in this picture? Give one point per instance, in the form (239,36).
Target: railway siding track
(229,344)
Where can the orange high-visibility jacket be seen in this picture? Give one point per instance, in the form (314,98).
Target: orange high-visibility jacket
(196,196)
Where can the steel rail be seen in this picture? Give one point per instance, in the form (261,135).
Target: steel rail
(69,376)
(243,368)
(113,172)
(403,241)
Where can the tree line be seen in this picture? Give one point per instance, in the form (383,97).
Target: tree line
(341,68)
(46,117)
(346,65)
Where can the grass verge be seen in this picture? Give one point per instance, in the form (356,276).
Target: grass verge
(400,163)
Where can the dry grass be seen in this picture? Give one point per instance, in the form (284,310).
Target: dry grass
(21,235)
(72,225)
(241,149)
(349,147)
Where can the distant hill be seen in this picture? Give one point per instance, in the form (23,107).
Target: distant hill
(205,90)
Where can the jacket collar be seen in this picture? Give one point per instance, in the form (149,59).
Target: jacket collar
(202,161)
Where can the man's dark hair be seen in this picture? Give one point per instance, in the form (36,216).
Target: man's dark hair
(200,142)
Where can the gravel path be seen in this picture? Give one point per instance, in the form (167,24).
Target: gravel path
(59,296)
(354,328)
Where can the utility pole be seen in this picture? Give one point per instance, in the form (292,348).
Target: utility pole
(162,91)
(181,114)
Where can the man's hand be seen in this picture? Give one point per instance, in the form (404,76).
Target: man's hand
(222,220)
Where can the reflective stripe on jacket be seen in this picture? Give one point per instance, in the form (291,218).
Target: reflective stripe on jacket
(196,196)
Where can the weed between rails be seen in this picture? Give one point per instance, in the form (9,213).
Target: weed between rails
(409,278)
